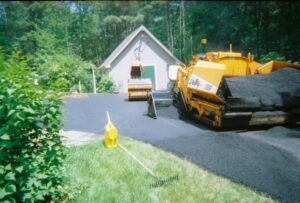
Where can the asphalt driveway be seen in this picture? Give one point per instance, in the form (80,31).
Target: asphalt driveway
(267,161)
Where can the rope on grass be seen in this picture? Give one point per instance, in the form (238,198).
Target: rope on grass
(135,158)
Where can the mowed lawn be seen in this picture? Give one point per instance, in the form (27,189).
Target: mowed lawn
(97,174)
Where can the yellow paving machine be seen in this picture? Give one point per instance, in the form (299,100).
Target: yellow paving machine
(226,89)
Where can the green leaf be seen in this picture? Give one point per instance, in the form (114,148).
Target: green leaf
(11,188)
(36,183)
(52,110)
(39,197)
(50,143)
(3,193)
(10,91)
(27,196)
(1,111)
(9,200)
(6,144)
(29,110)
(16,123)
(20,117)
(10,176)
(42,176)
(19,169)
(5,137)
(11,112)
(20,96)
(8,167)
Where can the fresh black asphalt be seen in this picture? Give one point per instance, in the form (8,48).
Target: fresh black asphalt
(267,161)
(252,89)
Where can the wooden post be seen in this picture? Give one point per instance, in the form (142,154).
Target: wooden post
(94,81)
(79,86)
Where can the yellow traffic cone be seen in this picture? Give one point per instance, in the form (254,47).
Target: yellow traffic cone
(110,134)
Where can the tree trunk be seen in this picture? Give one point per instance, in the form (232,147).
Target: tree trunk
(181,30)
(169,26)
(66,22)
(81,31)
(5,18)
(94,82)
(191,41)
(257,29)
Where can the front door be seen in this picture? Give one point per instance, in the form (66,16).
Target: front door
(150,73)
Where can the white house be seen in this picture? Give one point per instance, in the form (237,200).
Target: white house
(155,57)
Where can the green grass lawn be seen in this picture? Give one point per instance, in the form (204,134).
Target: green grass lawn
(97,174)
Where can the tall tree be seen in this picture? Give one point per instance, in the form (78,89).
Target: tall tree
(169,26)
(182,30)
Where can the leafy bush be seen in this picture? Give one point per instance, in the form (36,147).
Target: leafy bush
(106,84)
(31,152)
(272,56)
(61,72)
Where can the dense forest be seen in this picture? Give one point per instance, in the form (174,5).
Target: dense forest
(64,41)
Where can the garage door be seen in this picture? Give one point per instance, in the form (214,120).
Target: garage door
(150,73)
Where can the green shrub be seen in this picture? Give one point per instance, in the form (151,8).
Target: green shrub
(61,72)
(31,152)
(272,56)
(106,84)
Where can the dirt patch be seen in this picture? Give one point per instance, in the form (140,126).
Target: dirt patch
(77,138)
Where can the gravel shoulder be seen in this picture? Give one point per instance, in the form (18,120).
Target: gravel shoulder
(266,160)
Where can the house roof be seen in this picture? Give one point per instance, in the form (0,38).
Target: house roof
(126,42)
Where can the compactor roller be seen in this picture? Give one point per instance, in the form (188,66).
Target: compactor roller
(139,88)
(225,89)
